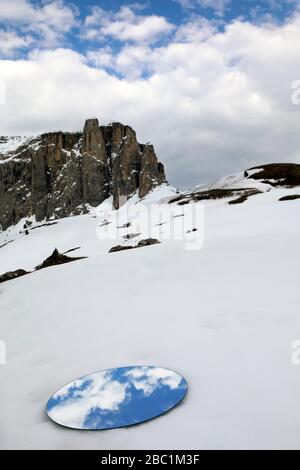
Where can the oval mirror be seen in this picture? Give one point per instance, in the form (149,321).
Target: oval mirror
(116,398)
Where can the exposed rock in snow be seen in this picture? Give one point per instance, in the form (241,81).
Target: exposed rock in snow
(57,258)
(141,244)
(8,145)
(241,194)
(291,197)
(278,174)
(12,275)
(54,259)
(243,185)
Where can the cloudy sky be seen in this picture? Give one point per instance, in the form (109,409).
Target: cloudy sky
(209,82)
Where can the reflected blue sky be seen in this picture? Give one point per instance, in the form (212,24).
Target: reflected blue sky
(116,398)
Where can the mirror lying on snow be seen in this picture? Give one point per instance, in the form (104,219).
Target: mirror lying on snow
(115,398)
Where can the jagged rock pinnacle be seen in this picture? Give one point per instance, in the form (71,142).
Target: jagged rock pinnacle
(59,174)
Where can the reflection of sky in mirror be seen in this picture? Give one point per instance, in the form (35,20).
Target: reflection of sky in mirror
(117,397)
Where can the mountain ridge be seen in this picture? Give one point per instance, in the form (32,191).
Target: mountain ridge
(58,174)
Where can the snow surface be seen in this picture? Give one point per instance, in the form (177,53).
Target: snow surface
(10,144)
(237,181)
(224,317)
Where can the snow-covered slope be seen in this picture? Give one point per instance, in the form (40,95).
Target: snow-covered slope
(223,316)
(11,144)
(238,180)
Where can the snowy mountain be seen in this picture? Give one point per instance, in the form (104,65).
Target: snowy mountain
(216,300)
(59,174)
(9,145)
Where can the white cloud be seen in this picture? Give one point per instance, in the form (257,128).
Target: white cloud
(210,105)
(149,379)
(55,13)
(102,57)
(102,392)
(218,6)
(197,29)
(16,10)
(131,62)
(10,41)
(47,23)
(58,15)
(125,25)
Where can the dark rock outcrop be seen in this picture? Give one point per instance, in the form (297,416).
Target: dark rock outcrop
(141,244)
(244,197)
(60,174)
(291,197)
(148,242)
(56,258)
(274,175)
(117,248)
(9,276)
(278,174)
(215,194)
(152,173)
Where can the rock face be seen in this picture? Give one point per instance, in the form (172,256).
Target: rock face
(60,174)
(151,171)
(95,164)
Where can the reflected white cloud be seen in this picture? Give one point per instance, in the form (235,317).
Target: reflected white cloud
(116,398)
(148,379)
(91,392)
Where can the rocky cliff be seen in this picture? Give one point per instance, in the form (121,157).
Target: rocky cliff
(60,174)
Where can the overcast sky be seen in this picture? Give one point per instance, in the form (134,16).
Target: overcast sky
(209,82)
